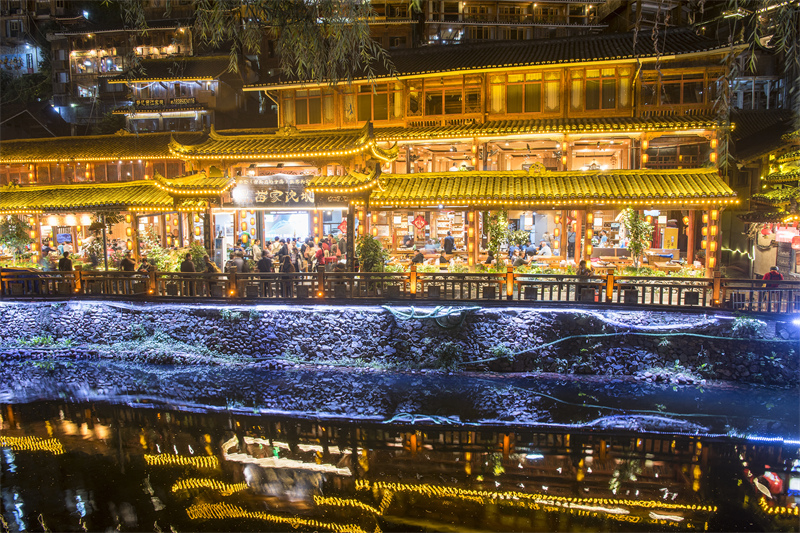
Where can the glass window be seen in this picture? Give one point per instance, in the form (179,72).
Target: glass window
(592,94)
(533,97)
(453,103)
(308,107)
(693,92)
(609,93)
(433,103)
(514,99)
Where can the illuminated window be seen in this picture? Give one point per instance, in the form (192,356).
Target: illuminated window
(308,107)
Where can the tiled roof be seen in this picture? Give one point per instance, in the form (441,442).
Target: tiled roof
(791,156)
(177,68)
(763,216)
(84,196)
(590,48)
(92,148)
(573,187)
(353,182)
(784,177)
(560,125)
(782,196)
(212,181)
(282,145)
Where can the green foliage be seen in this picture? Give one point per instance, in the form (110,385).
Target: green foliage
(323,41)
(254,314)
(25,89)
(372,256)
(447,356)
(428,268)
(639,234)
(644,272)
(109,124)
(15,233)
(198,253)
(501,351)
(497,230)
(519,237)
(230,316)
(37,342)
(157,254)
(749,328)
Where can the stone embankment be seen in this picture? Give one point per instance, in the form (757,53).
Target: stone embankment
(674,347)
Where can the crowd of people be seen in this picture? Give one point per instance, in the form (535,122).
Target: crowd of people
(289,255)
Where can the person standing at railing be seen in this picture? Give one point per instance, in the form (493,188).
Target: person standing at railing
(127,264)
(65,263)
(286,280)
(188,266)
(583,273)
(773,275)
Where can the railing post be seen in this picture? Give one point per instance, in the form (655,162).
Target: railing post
(509,282)
(77,286)
(153,282)
(233,289)
(413,281)
(320,281)
(610,287)
(716,299)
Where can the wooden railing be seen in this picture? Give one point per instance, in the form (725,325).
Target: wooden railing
(735,294)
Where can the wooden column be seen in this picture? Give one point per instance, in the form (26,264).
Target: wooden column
(208,232)
(691,228)
(135,235)
(408,159)
(163,223)
(351,234)
(580,218)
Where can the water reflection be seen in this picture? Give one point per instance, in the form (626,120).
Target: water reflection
(71,467)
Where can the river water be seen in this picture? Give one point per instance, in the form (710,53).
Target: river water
(105,446)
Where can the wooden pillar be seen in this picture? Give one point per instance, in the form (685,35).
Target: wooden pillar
(135,235)
(208,233)
(690,236)
(408,159)
(579,219)
(351,234)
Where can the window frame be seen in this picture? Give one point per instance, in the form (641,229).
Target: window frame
(580,76)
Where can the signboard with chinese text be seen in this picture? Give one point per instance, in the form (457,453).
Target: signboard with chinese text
(276,191)
(186,100)
(149,102)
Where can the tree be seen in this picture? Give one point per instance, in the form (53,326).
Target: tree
(371,255)
(15,233)
(497,230)
(325,41)
(639,233)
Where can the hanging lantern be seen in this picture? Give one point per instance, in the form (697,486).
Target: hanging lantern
(765,230)
(645,158)
(128,218)
(645,144)
(169,240)
(169,229)
(648,219)
(471,232)
(713,144)
(129,244)
(52,243)
(252,221)
(712,246)
(705,218)
(796,242)
(78,228)
(175,222)
(714,214)
(589,249)
(563,160)
(712,157)
(80,242)
(712,261)
(558,219)
(252,212)
(685,221)
(590,218)
(316,220)
(245,237)
(703,244)
(33,234)
(374,232)
(589,233)
(361,229)
(557,244)
(713,230)
(196,218)
(243,214)
(471,216)
(33,247)
(704,231)
(244,226)
(556,232)
(128,231)
(197,231)
(374,218)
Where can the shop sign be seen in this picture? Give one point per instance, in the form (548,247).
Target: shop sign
(342,226)
(272,192)
(332,200)
(419,222)
(187,100)
(149,102)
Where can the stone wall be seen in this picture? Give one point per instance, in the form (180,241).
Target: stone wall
(495,339)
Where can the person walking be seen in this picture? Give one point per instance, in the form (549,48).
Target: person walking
(449,244)
(570,242)
(188,284)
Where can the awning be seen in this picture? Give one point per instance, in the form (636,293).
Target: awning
(782,196)
(523,189)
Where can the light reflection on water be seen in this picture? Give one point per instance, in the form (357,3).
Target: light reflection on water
(67,467)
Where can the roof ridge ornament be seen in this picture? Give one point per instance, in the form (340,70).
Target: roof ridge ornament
(537,168)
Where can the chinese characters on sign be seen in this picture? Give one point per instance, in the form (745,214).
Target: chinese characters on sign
(420,222)
(182,101)
(275,191)
(150,102)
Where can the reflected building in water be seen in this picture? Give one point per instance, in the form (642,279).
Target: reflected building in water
(99,466)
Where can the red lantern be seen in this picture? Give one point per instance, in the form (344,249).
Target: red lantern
(765,230)
(796,242)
